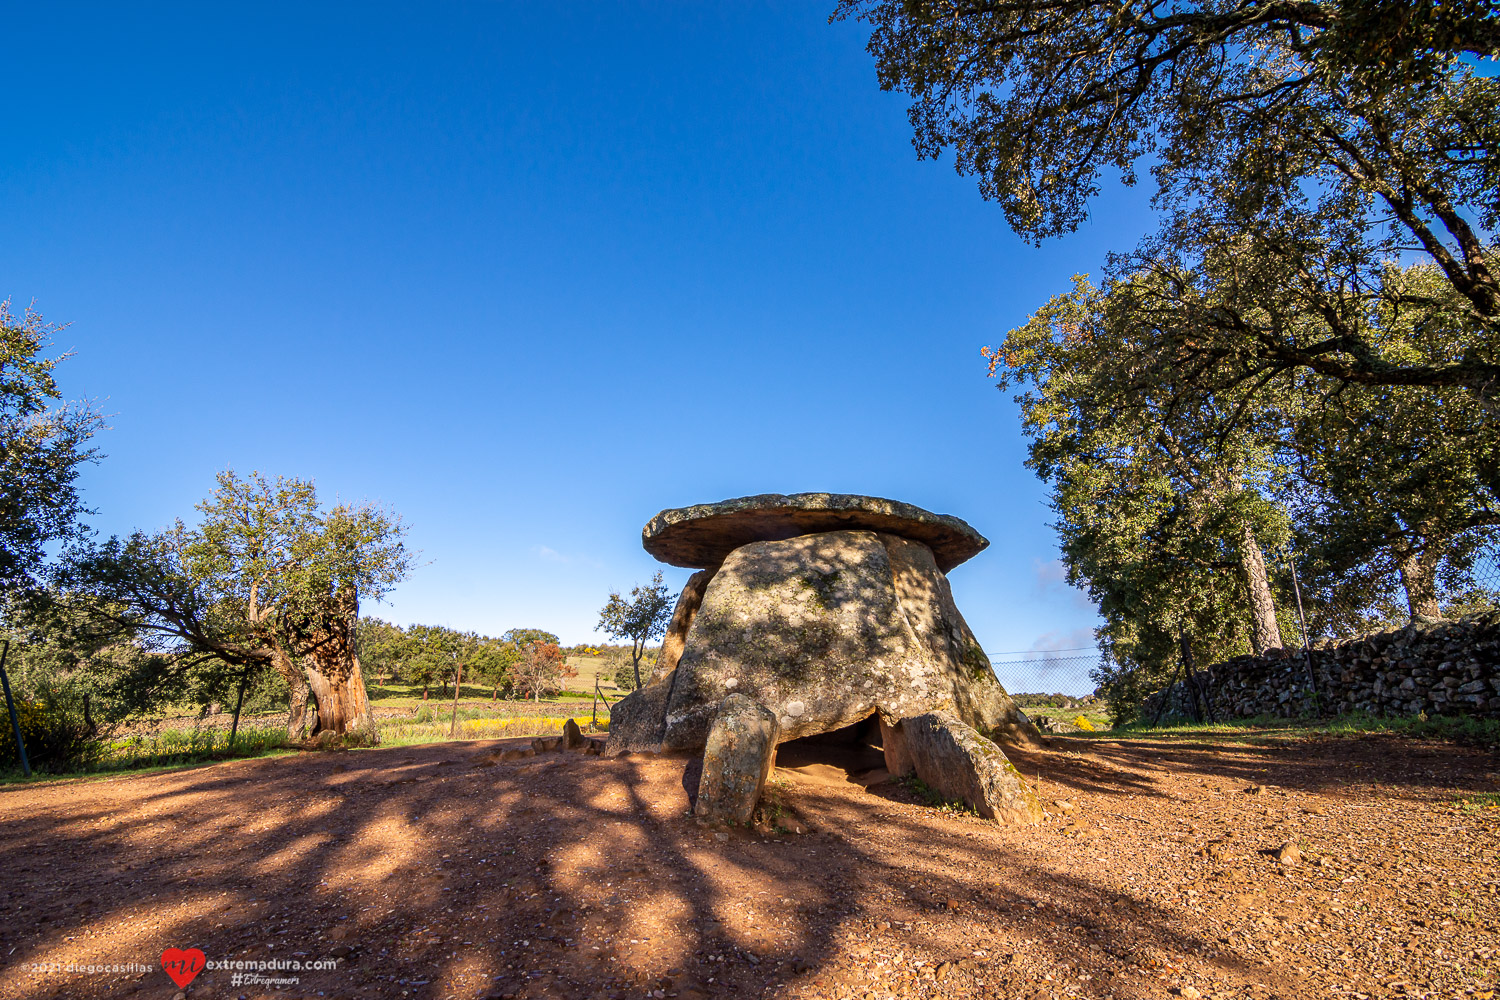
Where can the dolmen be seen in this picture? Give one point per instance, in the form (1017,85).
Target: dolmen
(823,610)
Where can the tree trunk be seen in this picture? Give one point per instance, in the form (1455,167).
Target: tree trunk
(332,668)
(1265,630)
(1418,568)
(343,704)
(296,682)
(234,727)
(458,680)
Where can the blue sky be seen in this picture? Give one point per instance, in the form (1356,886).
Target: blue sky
(527,274)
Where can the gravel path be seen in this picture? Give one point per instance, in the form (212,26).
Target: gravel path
(438,871)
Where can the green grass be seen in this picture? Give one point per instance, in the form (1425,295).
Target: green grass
(410,696)
(1460,729)
(1477,801)
(170,748)
(431,724)
(265,735)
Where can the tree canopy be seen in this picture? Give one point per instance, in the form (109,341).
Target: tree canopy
(1297,150)
(268,576)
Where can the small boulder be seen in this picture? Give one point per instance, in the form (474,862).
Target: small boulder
(737,758)
(546,744)
(572,736)
(959,764)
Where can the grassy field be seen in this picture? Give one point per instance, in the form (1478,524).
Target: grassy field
(402,718)
(1458,729)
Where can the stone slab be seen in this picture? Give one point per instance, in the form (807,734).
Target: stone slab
(702,536)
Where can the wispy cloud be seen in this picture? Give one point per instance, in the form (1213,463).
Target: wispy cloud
(1050,577)
(1078,638)
(548,554)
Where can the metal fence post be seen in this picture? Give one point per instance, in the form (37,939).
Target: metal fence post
(1312,677)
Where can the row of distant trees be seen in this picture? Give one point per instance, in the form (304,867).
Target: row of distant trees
(527,661)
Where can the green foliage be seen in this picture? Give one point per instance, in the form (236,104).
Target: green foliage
(1295,153)
(1396,486)
(1164,496)
(42,445)
(269,578)
(641,619)
(624,672)
(522,637)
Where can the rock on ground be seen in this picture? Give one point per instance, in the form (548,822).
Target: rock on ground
(736,760)
(962,766)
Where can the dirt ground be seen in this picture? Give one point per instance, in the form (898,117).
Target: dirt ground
(438,871)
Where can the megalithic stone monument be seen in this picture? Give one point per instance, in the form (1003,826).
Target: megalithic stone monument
(825,608)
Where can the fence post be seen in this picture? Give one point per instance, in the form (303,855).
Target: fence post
(1312,677)
(1194,691)
(458,679)
(234,727)
(10,704)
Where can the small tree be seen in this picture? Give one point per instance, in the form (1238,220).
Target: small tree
(539,669)
(624,673)
(641,619)
(494,662)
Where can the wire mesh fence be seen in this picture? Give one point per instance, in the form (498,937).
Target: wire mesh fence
(1334,608)
(1051,676)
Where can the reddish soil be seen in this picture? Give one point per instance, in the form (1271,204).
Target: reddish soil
(435,872)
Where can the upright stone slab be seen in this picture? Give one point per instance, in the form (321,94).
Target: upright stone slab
(673,643)
(962,766)
(737,758)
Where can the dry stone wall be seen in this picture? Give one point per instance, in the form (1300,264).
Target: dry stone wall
(1436,667)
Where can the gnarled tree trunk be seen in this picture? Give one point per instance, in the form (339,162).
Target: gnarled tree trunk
(332,667)
(1265,630)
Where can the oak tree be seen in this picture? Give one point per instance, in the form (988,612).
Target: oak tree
(1296,149)
(268,576)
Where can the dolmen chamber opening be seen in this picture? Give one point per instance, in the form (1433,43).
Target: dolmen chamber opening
(811,614)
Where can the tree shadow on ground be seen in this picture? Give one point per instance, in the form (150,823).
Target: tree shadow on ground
(436,871)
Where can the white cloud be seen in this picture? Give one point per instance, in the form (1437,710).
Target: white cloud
(1078,638)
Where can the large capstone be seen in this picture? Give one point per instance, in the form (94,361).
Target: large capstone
(825,630)
(702,536)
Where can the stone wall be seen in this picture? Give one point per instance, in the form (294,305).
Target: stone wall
(1437,667)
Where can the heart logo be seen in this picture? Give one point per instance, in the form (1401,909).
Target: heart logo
(182,965)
